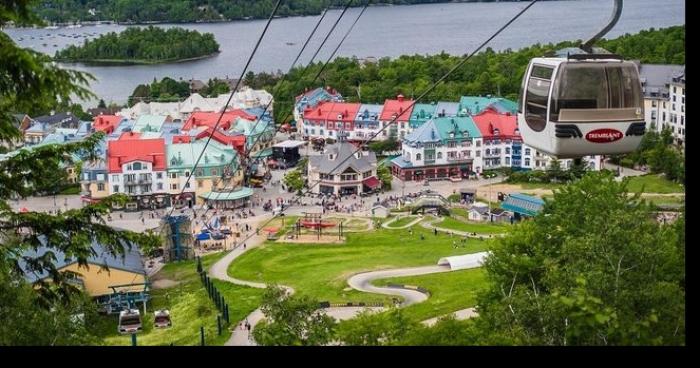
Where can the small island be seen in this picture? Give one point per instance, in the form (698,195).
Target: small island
(151,45)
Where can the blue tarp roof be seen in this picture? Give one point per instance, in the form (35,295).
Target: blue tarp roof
(523,204)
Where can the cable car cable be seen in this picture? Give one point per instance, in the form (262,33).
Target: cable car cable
(314,80)
(435,84)
(223,111)
(260,118)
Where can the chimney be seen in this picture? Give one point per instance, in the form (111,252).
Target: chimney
(400,98)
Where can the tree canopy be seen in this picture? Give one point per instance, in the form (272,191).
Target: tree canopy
(488,72)
(594,268)
(190,10)
(29,82)
(143,45)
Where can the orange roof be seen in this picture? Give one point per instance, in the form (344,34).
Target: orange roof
(106,123)
(489,121)
(334,111)
(237,141)
(396,107)
(209,119)
(122,151)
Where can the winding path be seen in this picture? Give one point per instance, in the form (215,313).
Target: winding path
(429,225)
(386,224)
(361,282)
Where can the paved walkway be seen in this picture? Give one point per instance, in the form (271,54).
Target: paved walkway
(386,224)
(429,225)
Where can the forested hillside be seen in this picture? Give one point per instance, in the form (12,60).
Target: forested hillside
(190,10)
(143,45)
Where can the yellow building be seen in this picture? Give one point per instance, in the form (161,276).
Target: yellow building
(103,270)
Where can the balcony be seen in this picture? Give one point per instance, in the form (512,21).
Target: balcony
(145,180)
(129,180)
(459,159)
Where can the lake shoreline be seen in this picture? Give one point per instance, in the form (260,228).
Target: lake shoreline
(119,62)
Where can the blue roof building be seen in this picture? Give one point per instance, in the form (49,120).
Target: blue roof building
(523,204)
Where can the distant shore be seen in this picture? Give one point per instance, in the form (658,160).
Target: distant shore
(121,62)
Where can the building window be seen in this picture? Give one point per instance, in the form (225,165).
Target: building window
(527,162)
(214,172)
(653,103)
(199,184)
(100,186)
(507,161)
(527,151)
(478,143)
(439,155)
(173,186)
(159,175)
(137,166)
(160,186)
(478,153)
(115,177)
(507,150)
(418,156)
(116,188)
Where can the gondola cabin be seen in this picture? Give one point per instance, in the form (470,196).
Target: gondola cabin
(162,319)
(130,321)
(581,105)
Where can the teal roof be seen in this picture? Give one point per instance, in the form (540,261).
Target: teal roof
(523,204)
(249,128)
(184,155)
(421,113)
(475,104)
(149,123)
(228,196)
(461,126)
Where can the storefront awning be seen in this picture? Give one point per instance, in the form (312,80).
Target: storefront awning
(228,196)
(372,182)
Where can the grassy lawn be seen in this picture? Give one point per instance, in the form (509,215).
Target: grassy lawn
(665,200)
(403,221)
(540,185)
(653,184)
(449,292)
(321,271)
(190,308)
(476,227)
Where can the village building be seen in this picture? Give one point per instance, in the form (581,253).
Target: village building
(342,171)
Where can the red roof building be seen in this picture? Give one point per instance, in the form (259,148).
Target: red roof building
(394,108)
(182,139)
(209,119)
(122,151)
(237,141)
(333,115)
(130,135)
(493,125)
(106,123)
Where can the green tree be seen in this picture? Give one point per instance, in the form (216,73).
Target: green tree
(372,329)
(292,321)
(30,81)
(384,174)
(594,268)
(294,180)
(102,104)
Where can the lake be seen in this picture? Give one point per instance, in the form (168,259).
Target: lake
(456,28)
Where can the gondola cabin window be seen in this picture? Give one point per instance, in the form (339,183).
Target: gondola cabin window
(599,86)
(536,97)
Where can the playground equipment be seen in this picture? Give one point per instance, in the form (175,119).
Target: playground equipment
(130,321)
(314,221)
